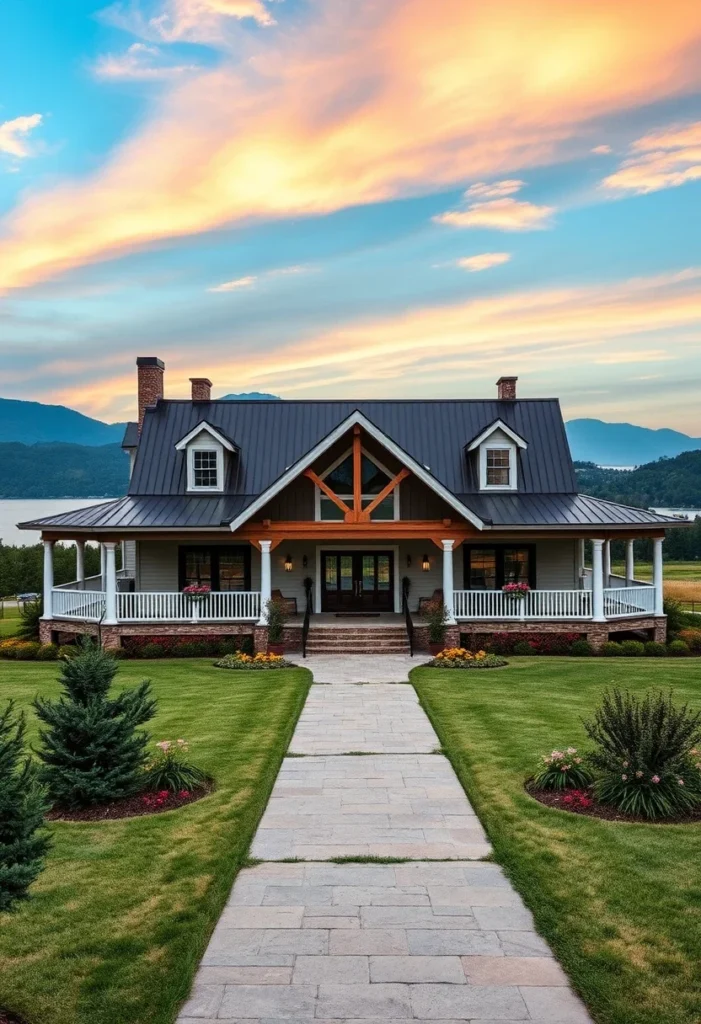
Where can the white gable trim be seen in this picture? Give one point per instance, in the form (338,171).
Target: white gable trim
(305,462)
(488,431)
(212,431)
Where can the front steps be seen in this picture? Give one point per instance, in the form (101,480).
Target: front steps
(357,640)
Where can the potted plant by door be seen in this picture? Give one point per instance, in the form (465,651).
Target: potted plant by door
(277,617)
(437,618)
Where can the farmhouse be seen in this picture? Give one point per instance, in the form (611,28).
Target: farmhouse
(355,514)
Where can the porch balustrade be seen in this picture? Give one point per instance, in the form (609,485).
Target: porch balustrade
(90,605)
(544,605)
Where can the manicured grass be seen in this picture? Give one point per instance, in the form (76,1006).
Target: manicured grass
(9,621)
(619,903)
(121,916)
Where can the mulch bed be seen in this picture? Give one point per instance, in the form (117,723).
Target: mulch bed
(131,807)
(10,1018)
(554,799)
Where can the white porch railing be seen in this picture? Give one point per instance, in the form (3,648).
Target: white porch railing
(221,606)
(537,604)
(622,601)
(88,605)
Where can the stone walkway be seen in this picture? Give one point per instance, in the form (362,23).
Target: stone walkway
(442,936)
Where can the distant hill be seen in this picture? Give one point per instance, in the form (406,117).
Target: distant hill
(62,471)
(34,422)
(623,444)
(251,396)
(667,483)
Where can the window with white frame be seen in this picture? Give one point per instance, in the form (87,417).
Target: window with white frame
(498,467)
(339,477)
(204,468)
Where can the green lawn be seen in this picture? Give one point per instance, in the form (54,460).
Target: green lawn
(619,903)
(9,621)
(121,916)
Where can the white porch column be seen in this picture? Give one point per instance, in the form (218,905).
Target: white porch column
(630,563)
(607,563)
(597,581)
(110,618)
(48,579)
(103,566)
(657,575)
(448,585)
(265,580)
(80,564)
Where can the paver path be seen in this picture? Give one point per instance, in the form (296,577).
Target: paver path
(424,940)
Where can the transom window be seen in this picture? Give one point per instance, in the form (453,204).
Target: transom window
(374,478)
(498,465)
(205,469)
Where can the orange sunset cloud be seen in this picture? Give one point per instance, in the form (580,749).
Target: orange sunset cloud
(368,102)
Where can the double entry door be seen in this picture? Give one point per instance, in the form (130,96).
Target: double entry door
(357,581)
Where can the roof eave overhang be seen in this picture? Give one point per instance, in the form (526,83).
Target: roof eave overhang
(391,446)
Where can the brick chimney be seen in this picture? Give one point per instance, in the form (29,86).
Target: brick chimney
(149,373)
(506,389)
(201,389)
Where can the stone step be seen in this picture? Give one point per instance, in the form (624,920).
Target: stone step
(357,649)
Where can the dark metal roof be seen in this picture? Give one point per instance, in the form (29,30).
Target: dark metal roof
(273,436)
(533,510)
(131,435)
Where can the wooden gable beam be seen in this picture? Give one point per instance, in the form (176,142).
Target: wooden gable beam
(357,474)
(315,478)
(384,493)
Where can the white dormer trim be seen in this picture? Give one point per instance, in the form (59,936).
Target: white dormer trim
(513,466)
(505,429)
(394,449)
(212,431)
(204,437)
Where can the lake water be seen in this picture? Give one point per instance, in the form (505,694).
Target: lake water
(690,513)
(22,510)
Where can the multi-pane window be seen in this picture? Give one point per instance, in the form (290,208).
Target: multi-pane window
(204,468)
(498,464)
(489,568)
(220,567)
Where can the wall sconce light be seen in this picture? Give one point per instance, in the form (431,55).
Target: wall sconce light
(305,561)
(425,564)
(288,563)
(408,561)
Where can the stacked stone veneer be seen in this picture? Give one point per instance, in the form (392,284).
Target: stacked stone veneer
(597,633)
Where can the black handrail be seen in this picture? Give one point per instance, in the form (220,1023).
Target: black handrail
(409,624)
(305,625)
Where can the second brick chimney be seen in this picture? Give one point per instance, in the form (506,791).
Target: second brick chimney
(149,373)
(506,389)
(201,389)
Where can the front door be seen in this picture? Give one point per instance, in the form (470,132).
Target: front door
(357,581)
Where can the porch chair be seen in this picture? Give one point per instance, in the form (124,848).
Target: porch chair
(435,598)
(289,603)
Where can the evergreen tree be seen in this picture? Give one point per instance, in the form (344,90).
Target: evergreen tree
(92,751)
(23,843)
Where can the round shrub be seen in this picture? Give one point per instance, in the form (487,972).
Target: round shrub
(653,649)
(632,649)
(581,649)
(692,637)
(47,652)
(611,649)
(187,649)
(678,649)
(27,651)
(523,648)
(152,651)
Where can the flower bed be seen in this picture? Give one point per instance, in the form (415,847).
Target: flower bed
(195,646)
(459,657)
(132,807)
(257,661)
(584,802)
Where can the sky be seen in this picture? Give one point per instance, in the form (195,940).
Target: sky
(335,199)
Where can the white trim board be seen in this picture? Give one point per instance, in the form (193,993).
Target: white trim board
(394,449)
(488,431)
(204,427)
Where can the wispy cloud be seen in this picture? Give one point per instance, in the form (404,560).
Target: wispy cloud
(194,19)
(602,150)
(483,261)
(140,62)
(13,135)
(300,122)
(242,283)
(236,285)
(495,189)
(664,159)
(500,215)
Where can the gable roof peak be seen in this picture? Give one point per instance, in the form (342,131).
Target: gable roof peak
(495,425)
(204,427)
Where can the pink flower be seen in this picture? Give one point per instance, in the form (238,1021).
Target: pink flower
(680,781)
(624,777)
(638,775)
(655,779)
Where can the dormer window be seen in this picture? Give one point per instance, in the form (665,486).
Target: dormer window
(205,471)
(205,449)
(495,451)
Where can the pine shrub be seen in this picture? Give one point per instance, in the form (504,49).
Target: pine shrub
(23,841)
(646,761)
(92,750)
(29,619)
